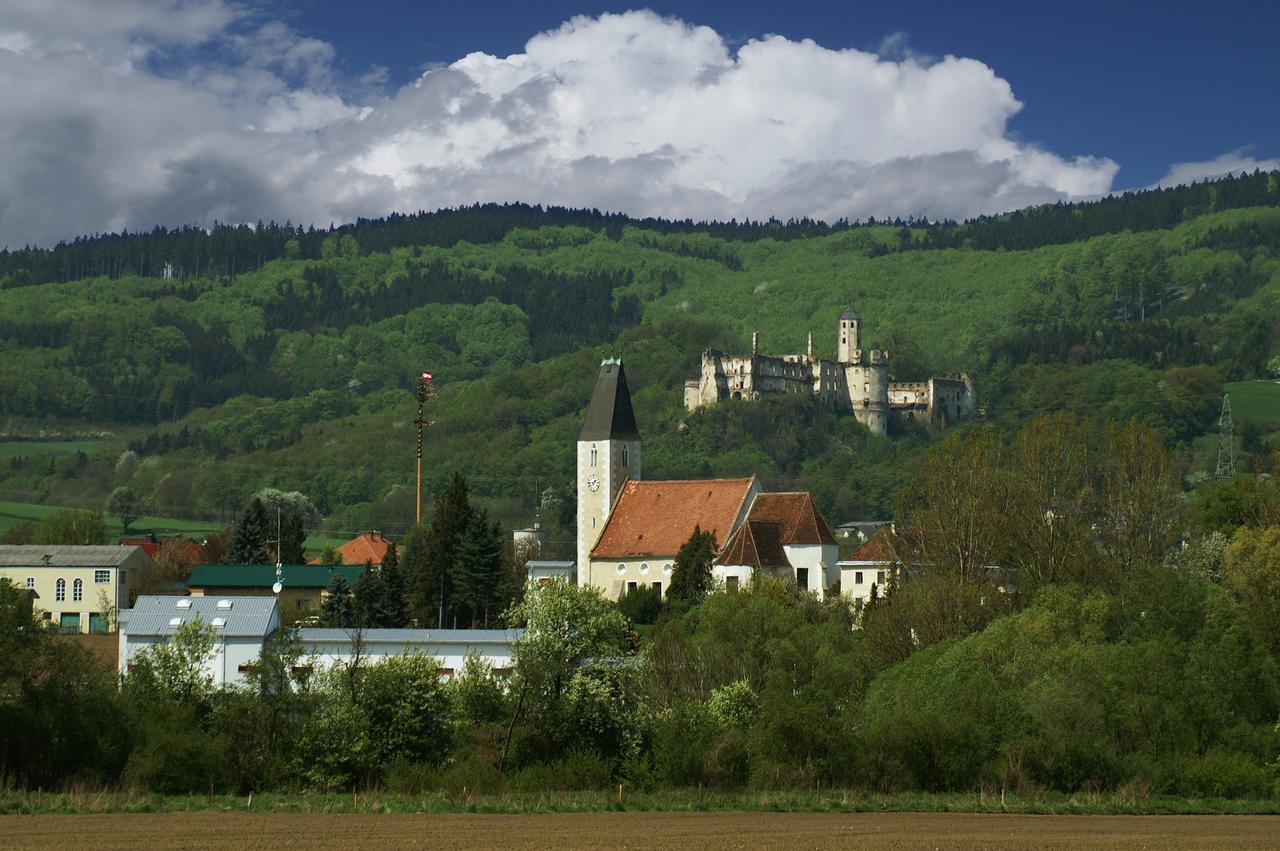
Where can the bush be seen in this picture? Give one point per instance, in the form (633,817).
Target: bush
(179,761)
(642,604)
(416,778)
(1220,774)
(579,769)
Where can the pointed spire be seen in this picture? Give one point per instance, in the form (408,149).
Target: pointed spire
(610,415)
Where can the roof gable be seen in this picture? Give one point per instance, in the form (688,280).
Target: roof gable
(757,543)
(610,416)
(802,523)
(656,518)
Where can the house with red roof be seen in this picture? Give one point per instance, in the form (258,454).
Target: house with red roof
(784,535)
(650,521)
(365,547)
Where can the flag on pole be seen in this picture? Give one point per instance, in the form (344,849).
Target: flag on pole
(426,376)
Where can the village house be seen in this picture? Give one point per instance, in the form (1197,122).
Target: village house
(75,588)
(785,535)
(364,548)
(302,585)
(324,647)
(240,626)
(539,572)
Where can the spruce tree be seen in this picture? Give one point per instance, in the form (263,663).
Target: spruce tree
(371,599)
(691,576)
(250,535)
(433,597)
(393,578)
(478,569)
(293,536)
(338,609)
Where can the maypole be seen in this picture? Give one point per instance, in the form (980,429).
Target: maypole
(426,390)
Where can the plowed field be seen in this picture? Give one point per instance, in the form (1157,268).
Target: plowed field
(698,831)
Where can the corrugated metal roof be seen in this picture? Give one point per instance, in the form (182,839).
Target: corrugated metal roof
(248,616)
(549,563)
(264,575)
(33,555)
(321,635)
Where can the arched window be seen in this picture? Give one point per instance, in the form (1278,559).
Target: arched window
(77,590)
(60,590)
(624,456)
(593,456)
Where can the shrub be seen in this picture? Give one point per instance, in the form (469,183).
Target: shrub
(1220,774)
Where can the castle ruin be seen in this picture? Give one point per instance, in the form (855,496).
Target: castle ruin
(856,382)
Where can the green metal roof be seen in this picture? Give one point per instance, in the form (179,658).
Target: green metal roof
(264,575)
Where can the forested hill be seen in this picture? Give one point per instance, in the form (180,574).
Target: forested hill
(205,365)
(233,249)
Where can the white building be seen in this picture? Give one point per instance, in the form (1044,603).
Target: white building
(784,535)
(542,571)
(76,588)
(240,624)
(329,647)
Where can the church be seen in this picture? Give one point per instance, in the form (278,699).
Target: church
(630,529)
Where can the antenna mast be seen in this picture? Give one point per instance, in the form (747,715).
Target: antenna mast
(426,391)
(1226,442)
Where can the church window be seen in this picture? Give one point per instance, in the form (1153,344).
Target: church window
(593,456)
(60,590)
(77,590)
(644,567)
(622,568)
(625,462)
(593,523)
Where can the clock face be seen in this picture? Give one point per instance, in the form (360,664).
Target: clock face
(593,482)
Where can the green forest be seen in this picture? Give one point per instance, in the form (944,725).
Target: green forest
(198,367)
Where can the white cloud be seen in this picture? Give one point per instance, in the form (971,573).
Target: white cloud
(1232,162)
(179,111)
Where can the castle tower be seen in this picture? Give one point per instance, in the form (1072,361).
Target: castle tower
(608,455)
(849,339)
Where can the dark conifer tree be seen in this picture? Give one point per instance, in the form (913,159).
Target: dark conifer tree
(393,578)
(371,609)
(250,536)
(691,576)
(433,598)
(338,609)
(478,571)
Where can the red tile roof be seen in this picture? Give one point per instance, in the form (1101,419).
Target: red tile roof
(757,543)
(657,518)
(368,546)
(802,522)
(882,546)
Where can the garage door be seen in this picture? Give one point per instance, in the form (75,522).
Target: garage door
(70,623)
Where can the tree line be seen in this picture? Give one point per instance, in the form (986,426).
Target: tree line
(1055,619)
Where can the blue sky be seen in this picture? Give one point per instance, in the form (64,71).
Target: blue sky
(131,113)
(1148,87)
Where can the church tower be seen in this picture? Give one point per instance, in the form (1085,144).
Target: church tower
(849,340)
(608,455)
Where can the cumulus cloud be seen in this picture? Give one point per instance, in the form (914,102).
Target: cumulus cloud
(174,111)
(1232,162)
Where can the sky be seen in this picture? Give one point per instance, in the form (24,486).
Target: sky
(131,113)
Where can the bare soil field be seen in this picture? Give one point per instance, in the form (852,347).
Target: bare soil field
(637,830)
